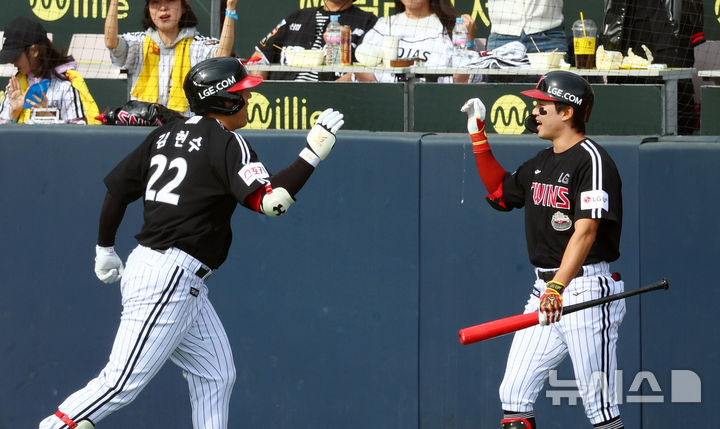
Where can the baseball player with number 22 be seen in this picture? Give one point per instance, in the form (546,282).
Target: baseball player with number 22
(571,193)
(191,174)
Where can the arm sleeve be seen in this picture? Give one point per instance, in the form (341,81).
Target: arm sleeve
(111,216)
(292,178)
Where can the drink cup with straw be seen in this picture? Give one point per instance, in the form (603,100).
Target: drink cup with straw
(584,32)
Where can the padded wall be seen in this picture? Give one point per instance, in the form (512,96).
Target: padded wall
(679,239)
(344,313)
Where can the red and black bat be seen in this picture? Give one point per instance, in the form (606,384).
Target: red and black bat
(507,325)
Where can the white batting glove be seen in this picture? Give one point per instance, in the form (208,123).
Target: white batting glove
(321,137)
(108,265)
(475,110)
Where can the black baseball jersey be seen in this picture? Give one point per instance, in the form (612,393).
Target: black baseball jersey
(191,174)
(556,190)
(299,29)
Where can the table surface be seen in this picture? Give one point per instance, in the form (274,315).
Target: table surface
(709,73)
(665,73)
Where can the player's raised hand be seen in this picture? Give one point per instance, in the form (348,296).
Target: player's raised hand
(108,265)
(321,137)
(475,110)
(551,303)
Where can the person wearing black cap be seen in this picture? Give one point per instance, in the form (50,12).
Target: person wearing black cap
(45,77)
(158,58)
(572,196)
(305,28)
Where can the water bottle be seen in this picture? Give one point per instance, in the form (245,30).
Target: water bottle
(460,35)
(333,42)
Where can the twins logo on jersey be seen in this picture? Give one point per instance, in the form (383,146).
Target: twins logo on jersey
(548,195)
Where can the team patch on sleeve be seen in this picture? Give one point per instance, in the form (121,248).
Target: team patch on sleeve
(252,172)
(592,200)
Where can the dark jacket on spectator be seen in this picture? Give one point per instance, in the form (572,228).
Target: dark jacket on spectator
(669,28)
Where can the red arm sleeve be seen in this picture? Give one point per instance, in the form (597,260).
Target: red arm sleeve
(490,170)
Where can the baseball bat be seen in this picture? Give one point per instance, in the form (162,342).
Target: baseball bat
(507,325)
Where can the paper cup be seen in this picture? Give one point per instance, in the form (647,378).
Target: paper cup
(390,45)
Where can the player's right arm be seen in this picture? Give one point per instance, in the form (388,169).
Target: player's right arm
(274,194)
(490,170)
(125,184)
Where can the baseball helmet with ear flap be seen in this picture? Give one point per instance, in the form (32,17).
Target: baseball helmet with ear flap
(567,88)
(214,85)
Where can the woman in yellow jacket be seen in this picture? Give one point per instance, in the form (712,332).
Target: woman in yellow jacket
(46,77)
(158,58)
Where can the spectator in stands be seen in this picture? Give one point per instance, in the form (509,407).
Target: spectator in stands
(538,22)
(158,59)
(46,77)
(424,28)
(305,28)
(671,30)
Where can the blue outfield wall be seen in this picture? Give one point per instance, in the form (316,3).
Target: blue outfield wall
(344,313)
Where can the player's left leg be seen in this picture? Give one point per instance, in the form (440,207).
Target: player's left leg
(534,352)
(591,337)
(207,362)
(158,309)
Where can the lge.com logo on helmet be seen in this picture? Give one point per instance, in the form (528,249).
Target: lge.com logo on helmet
(565,95)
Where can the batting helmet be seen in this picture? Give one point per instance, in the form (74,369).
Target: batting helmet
(212,86)
(565,87)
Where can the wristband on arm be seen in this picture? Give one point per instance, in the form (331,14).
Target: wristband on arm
(231,14)
(479,139)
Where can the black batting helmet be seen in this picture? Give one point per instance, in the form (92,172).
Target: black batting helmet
(212,86)
(565,87)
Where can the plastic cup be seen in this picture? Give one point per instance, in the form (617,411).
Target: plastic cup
(584,33)
(390,45)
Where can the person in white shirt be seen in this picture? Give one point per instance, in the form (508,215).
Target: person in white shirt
(158,58)
(424,28)
(538,24)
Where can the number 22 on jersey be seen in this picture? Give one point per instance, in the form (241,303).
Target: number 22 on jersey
(165,194)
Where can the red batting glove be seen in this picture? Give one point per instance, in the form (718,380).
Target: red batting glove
(475,110)
(551,303)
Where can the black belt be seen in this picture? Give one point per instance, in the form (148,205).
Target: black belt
(201,272)
(546,276)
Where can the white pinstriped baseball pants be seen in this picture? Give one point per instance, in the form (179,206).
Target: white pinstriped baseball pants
(166,315)
(589,336)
